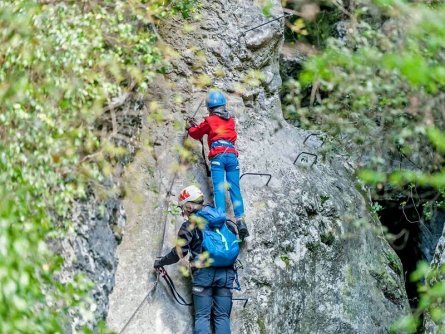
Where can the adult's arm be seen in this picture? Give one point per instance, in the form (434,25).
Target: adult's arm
(184,239)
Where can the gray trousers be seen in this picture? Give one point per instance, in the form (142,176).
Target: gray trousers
(212,295)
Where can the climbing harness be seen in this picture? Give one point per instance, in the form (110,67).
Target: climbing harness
(221,142)
(181,300)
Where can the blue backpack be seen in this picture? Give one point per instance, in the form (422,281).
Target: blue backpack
(218,240)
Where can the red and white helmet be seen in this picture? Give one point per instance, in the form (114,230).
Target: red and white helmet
(190,194)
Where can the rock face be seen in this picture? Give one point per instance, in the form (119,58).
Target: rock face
(438,261)
(430,234)
(315,261)
(98,221)
(94,247)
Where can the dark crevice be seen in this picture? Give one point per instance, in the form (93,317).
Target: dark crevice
(414,239)
(406,242)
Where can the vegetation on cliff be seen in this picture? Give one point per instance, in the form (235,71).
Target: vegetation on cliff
(377,87)
(62,66)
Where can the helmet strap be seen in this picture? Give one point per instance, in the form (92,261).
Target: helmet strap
(191,207)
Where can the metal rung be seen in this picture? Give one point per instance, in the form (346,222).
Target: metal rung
(307,153)
(314,134)
(245,301)
(259,174)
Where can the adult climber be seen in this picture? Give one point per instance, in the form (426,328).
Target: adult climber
(211,281)
(219,127)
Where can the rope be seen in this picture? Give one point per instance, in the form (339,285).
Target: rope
(204,158)
(176,295)
(181,301)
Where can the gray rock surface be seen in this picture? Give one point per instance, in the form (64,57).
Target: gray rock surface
(291,61)
(438,261)
(95,246)
(98,220)
(316,261)
(430,233)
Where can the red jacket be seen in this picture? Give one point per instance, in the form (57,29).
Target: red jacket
(216,128)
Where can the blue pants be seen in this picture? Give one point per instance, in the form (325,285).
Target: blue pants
(225,166)
(211,286)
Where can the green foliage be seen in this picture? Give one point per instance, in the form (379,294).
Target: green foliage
(437,138)
(185,7)
(408,324)
(261,326)
(61,63)
(267,7)
(310,28)
(285,258)
(432,294)
(381,89)
(174,210)
(327,238)
(323,199)
(376,207)
(435,205)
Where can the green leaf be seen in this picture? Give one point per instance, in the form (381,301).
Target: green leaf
(384,3)
(371,177)
(437,290)
(266,9)
(437,138)
(423,269)
(407,324)
(437,314)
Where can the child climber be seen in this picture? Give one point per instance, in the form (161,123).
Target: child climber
(219,127)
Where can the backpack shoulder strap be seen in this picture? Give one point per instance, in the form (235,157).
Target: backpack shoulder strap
(232,226)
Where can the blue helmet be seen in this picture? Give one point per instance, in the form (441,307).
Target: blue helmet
(215,99)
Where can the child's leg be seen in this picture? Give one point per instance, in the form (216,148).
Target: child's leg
(217,169)
(232,170)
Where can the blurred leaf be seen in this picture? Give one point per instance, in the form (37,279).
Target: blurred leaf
(422,271)
(267,7)
(371,177)
(407,324)
(437,138)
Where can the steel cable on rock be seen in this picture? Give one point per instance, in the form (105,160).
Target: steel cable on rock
(149,293)
(164,211)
